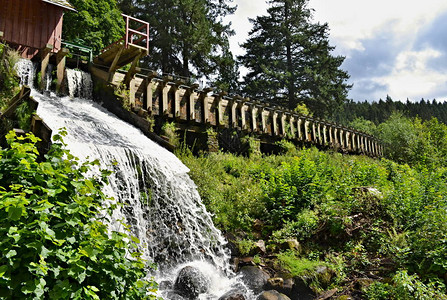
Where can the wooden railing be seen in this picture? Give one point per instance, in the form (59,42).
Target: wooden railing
(192,106)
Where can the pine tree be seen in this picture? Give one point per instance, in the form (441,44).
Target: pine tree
(290,61)
(188,37)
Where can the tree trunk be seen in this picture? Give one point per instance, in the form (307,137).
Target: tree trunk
(185,64)
(289,59)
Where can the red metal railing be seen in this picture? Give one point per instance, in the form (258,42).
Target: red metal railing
(137,37)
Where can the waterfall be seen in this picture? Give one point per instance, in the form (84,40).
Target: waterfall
(159,200)
(26,70)
(80,84)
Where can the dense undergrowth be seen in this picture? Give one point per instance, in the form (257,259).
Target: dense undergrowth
(9,82)
(55,240)
(379,226)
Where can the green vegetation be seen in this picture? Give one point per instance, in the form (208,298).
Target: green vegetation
(379,111)
(9,82)
(379,226)
(97,23)
(55,243)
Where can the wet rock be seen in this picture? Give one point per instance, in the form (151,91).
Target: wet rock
(191,282)
(254,278)
(232,295)
(272,295)
(232,245)
(275,283)
(288,286)
(165,285)
(172,296)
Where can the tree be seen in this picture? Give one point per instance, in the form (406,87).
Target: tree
(289,60)
(97,23)
(55,243)
(187,37)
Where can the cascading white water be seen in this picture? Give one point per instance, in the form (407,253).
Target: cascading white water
(160,202)
(26,70)
(79,84)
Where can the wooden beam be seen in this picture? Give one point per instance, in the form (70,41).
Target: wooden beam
(114,64)
(45,56)
(60,60)
(130,74)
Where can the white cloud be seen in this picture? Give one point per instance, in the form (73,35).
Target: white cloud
(380,33)
(246,9)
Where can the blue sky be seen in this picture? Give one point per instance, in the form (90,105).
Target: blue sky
(392,47)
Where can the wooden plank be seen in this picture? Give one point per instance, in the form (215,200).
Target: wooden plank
(131,72)
(114,64)
(60,60)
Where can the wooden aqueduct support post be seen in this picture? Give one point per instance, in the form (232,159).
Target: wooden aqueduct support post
(194,108)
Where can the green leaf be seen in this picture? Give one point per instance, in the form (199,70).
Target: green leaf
(11,253)
(14,213)
(3,270)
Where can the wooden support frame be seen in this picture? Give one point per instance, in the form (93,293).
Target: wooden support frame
(45,56)
(60,61)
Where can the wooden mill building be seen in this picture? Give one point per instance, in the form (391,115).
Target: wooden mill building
(32,25)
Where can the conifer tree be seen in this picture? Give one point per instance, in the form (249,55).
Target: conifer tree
(188,37)
(290,61)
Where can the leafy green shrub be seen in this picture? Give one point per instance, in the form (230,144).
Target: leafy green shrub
(293,187)
(303,227)
(168,129)
(9,82)
(286,147)
(55,243)
(298,266)
(24,113)
(379,291)
(410,287)
(227,187)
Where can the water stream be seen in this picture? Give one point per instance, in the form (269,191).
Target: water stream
(159,200)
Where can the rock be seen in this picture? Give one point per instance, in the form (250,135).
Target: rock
(232,295)
(172,296)
(232,245)
(364,282)
(275,283)
(327,295)
(291,244)
(288,286)
(301,291)
(259,247)
(254,278)
(165,285)
(258,225)
(272,295)
(324,275)
(281,284)
(191,282)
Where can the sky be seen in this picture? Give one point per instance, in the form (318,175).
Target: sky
(392,47)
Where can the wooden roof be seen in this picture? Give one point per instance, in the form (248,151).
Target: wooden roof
(62,3)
